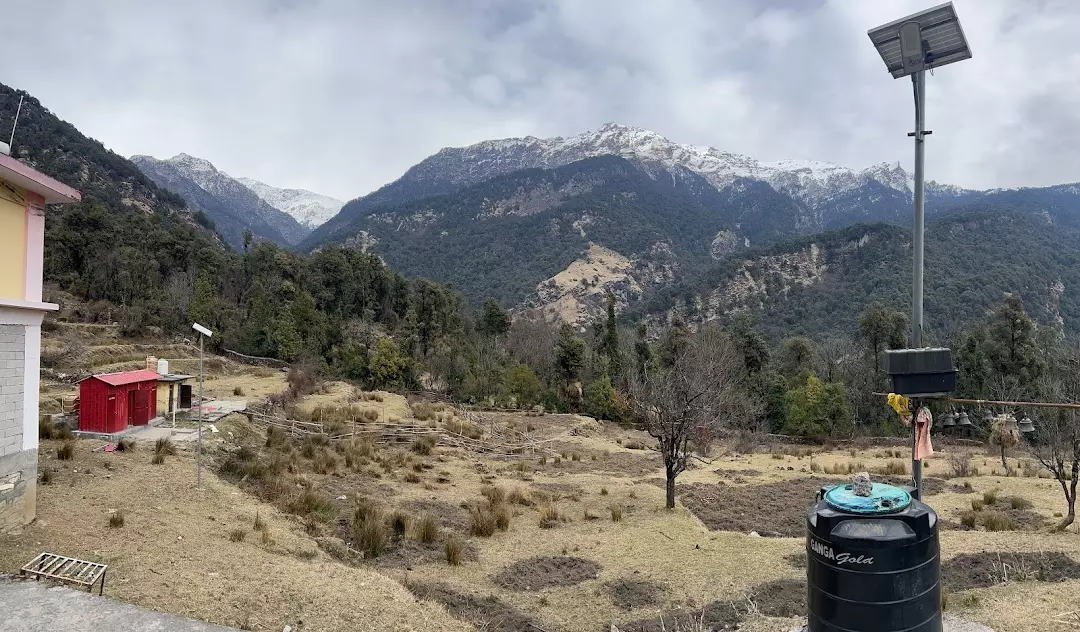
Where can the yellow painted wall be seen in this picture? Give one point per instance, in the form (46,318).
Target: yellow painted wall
(12,243)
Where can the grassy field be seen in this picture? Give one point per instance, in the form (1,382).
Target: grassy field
(569,534)
(584,540)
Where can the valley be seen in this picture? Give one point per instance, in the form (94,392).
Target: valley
(283,534)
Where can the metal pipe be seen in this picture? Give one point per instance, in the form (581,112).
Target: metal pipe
(198,459)
(918,82)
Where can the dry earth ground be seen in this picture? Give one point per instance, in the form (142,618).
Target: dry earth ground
(649,563)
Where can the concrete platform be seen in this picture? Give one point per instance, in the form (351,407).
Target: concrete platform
(31,606)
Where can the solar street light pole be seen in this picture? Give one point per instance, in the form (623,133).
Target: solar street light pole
(918,82)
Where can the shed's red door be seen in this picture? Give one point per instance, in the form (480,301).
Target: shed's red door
(110,414)
(142,406)
(131,418)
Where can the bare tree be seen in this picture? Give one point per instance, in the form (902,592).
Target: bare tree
(1057,448)
(1056,441)
(690,396)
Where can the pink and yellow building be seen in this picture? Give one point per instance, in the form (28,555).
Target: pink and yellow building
(25,194)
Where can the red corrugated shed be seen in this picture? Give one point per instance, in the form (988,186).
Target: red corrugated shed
(114,401)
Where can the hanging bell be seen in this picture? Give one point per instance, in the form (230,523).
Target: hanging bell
(1027,425)
(948,420)
(962,419)
(988,417)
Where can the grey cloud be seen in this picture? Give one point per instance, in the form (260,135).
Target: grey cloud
(342,96)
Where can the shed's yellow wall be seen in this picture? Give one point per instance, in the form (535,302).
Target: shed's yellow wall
(12,242)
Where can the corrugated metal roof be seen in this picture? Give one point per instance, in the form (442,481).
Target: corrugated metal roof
(126,377)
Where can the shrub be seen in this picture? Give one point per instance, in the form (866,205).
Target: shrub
(1018,502)
(426,529)
(452,549)
(124,445)
(549,516)
(260,524)
(46,476)
(237,390)
(815,467)
(995,520)
(968,519)
(603,491)
(412,477)
(66,452)
(575,457)
(777,456)
(482,521)
(424,445)
(157,459)
(164,445)
(616,512)
(275,437)
(495,495)
(543,459)
(990,497)
(116,519)
(977,504)
(46,428)
(325,462)
(968,487)
(237,535)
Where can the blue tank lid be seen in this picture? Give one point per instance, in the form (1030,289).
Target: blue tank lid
(883,499)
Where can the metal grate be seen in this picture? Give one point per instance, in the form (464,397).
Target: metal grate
(67,569)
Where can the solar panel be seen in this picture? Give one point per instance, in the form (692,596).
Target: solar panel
(943,41)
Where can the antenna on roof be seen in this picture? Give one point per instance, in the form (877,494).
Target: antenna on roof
(5,148)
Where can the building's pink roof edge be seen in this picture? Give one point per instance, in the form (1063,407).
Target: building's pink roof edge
(26,176)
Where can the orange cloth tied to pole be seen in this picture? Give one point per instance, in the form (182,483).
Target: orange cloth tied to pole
(923,421)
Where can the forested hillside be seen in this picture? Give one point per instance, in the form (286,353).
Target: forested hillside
(504,236)
(135,253)
(817,286)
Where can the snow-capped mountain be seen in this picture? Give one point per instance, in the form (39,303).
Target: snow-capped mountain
(309,208)
(815,184)
(233,207)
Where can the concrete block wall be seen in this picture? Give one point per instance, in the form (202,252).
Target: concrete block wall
(18,465)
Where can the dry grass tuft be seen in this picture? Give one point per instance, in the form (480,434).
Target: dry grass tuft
(549,516)
(370,533)
(165,445)
(995,520)
(424,446)
(990,497)
(426,529)
(968,519)
(977,504)
(65,452)
(260,524)
(157,459)
(46,476)
(616,512)
(237,535)
(496,495)
(275,437)
(399,523)
(452,548)
(519,496)
(1019,502)
(125,445)
(116,519)
(482,521)
(502,517)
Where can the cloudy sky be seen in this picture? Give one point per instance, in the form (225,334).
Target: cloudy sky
(341,96)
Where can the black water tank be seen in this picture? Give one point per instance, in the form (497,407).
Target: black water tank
(872,562)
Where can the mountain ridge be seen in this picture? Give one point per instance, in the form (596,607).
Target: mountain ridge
(233,207)
(307,207)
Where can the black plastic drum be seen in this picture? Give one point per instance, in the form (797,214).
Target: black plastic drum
(873,563)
